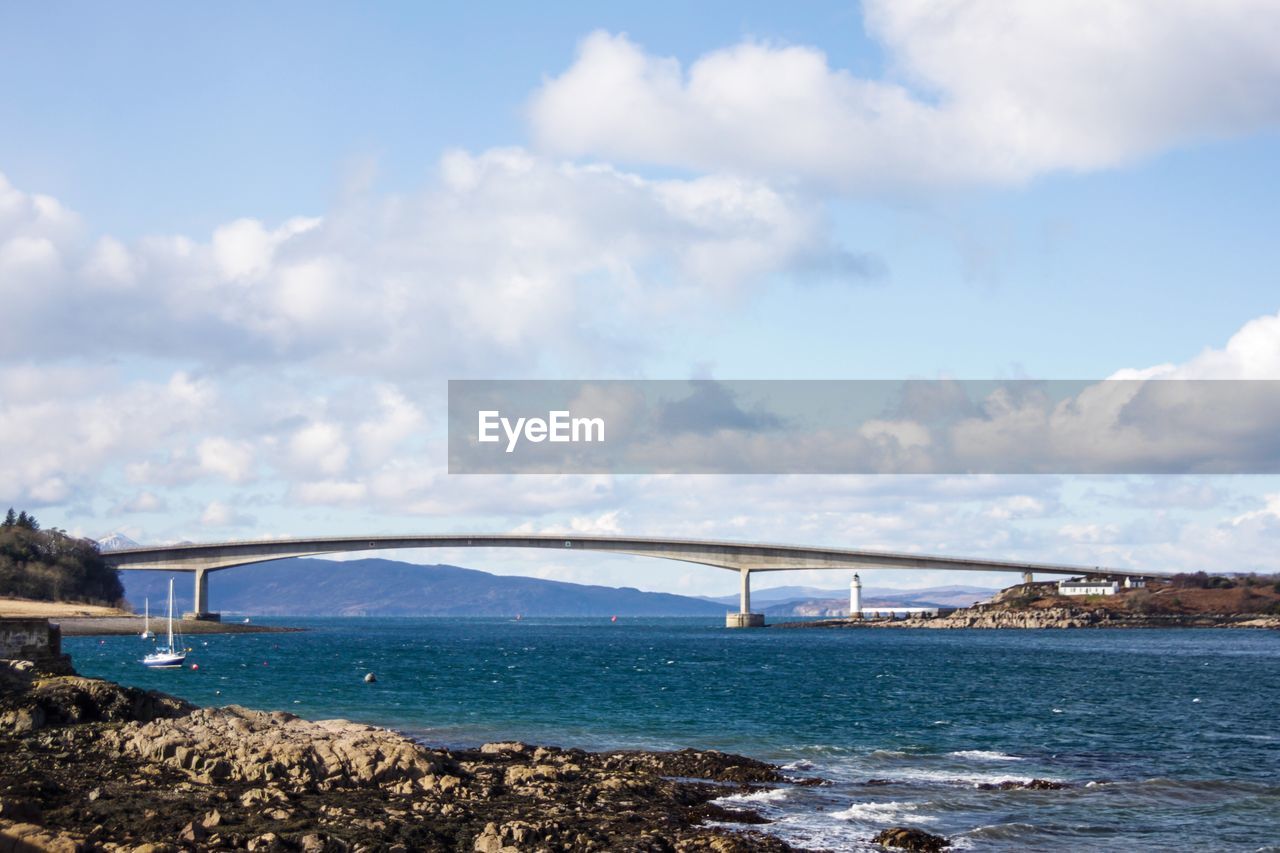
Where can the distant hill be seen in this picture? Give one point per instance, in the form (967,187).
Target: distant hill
(376,587)
(815,601)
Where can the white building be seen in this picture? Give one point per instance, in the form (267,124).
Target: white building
(855,597)
(1087,586)
(1134,583)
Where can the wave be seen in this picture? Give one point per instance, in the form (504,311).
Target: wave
(765,795)
(878,813)
(1000,832)
(984,755)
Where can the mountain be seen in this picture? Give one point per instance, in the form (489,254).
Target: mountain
(376,587)
(815,601)
(115,542)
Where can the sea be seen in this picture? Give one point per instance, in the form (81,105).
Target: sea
(1166,739)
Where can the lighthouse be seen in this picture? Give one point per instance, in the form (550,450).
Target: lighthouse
(855,597)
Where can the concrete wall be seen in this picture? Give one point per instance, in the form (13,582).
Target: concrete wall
(27,639)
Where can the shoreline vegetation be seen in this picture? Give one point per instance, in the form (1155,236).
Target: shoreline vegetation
(88,764)
(51,565)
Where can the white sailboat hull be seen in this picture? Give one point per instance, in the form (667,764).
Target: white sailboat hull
(164,660)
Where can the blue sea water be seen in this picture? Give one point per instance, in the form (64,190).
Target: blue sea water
(1169,738)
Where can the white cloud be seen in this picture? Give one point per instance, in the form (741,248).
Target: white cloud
(319,447)
(219,514)
(509,258)
(232,460)
(1253,352)
(975,92)
(143,501)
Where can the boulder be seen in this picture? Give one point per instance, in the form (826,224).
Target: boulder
(915,840)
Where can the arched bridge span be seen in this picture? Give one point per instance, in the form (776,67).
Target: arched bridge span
(741,557)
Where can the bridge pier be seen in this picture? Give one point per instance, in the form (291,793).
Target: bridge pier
(744,618)
(200,604)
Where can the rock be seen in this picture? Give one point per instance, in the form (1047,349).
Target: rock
(916,840)
(240,745)
(66,700)
(505,746)
(19,809)
(265,841)
(192,833)
(1017,785)
(212,819)
(253,797)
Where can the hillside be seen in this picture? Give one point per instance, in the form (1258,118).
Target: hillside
(377,587)
(49,565)
(1178,595)
(816,601)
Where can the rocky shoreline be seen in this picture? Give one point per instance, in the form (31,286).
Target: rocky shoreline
(1050,617)
(87,764)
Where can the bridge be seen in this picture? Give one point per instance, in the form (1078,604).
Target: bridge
(741,557)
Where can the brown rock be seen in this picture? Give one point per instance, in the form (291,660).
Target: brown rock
(915,840)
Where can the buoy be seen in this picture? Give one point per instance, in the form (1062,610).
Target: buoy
(195,666)
(369,678)
(613,618)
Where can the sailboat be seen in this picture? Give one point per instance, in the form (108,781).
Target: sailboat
(168,656)
(146,620)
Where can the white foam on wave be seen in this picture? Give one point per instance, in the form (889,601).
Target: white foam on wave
(924,774)
(984,755)
(766,795)
(890,812)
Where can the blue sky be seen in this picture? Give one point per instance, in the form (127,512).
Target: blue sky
(280,228)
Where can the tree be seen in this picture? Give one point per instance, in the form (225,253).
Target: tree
(10,519)
(27,522)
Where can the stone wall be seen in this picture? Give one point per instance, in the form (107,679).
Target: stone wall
(36,640)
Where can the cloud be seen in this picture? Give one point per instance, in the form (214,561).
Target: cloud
(68,426)
(232,460)
(140,502)
(1253,352)
(983,92)
(507,258)
(219,514)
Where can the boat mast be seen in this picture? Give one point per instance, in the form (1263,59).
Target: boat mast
(170,614)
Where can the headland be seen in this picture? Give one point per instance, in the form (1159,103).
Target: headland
(1186,601)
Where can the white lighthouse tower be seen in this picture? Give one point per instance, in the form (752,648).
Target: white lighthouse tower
(855,597)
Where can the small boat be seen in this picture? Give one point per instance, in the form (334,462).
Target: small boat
(168,656)
(146,620)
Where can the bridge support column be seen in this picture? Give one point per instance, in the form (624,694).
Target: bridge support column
(200,604)
(1028,578)
(744,618)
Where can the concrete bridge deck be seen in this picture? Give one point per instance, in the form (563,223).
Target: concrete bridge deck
(741,557)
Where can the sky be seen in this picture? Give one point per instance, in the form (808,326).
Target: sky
(244,247)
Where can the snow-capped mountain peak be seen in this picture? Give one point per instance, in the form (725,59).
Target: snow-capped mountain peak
(115,542)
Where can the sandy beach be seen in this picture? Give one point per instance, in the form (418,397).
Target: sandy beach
(80,620)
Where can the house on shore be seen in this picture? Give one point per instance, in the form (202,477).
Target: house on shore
(1098,586)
